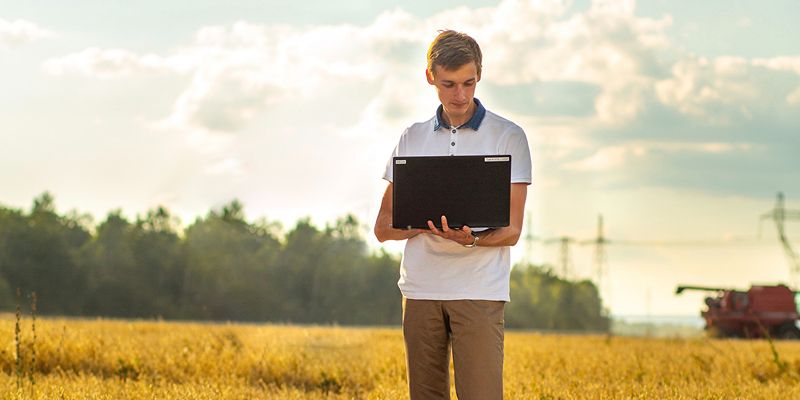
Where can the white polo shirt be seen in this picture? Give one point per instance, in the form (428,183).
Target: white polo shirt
(435,268)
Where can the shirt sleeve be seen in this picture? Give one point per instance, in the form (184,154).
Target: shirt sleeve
(516,144)
(398,151)
(388,174)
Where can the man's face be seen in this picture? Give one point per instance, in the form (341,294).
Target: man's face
(455,88)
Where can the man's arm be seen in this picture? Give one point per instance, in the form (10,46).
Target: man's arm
(383,225)
(505,236)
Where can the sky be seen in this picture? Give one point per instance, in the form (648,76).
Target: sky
(678,121)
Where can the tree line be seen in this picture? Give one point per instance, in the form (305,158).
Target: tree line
(223,267)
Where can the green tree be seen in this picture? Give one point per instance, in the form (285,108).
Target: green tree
(223,267)
(330,277)
(227,267)
(541,300)
(38,254)
(6,295)
(158,254)
(114,284)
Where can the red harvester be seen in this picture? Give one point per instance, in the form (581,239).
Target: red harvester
(750,314)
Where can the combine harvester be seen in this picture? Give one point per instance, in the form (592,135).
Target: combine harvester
(756,313)
(763,310)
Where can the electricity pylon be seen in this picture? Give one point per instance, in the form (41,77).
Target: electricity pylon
(779,215)
(565,259)
(529,238)
(600,260)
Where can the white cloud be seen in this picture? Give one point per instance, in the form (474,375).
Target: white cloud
(727,89)
(207,143)
(744,22)
(703,87)
(607,46)
(240,69)
(606,158)
(621,7)
(239,73)
(106,63)
(782,63)
(17,32)
(616,156)
(397,100)
(227,166)
(222,100)
(794,97)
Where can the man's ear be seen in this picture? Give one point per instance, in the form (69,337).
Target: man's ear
(429,76)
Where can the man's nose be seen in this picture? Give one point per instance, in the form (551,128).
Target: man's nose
(460,92)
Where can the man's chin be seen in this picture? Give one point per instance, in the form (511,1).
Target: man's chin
(457,111)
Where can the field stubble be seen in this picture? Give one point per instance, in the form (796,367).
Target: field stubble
(108,359)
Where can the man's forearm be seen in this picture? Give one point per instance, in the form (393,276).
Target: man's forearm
(384,231)
(506,236)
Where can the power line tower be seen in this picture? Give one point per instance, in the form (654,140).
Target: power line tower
(600,260)
(565,259)
(779,215)
(529,238)
(564,241)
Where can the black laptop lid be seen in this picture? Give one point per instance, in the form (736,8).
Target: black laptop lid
(469,190)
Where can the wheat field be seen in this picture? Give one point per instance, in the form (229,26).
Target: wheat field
(111,359)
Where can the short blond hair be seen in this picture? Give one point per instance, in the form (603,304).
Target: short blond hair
(452,49)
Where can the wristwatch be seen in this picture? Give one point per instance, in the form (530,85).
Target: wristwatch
(474,241)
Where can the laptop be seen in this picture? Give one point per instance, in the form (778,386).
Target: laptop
(469,190)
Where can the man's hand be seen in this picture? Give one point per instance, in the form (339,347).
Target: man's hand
(461,236)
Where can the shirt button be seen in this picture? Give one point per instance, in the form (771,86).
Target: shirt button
(452,143)
(454,131)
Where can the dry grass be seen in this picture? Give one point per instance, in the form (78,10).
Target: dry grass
(102,359)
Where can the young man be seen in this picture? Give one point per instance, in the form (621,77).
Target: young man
(455,282)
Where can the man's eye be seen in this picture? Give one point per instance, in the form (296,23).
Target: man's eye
(469,83)
(448,85)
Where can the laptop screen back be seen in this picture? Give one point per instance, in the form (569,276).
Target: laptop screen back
(469,190)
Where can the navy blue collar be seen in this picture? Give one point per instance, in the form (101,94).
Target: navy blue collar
(474,123)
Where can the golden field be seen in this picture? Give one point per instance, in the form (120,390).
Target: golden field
(109,359)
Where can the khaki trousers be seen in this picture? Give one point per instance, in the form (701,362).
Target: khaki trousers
(474,330)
